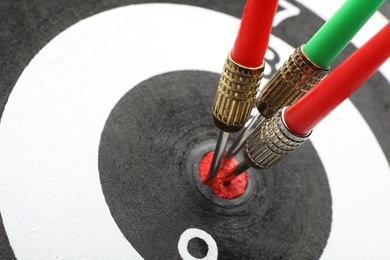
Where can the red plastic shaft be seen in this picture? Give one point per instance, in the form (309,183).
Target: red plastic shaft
(253,35)
(307,112)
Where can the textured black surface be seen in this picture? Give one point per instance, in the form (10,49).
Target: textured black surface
(146,167)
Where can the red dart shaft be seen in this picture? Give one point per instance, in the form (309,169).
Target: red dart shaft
(308,111)
(253,35)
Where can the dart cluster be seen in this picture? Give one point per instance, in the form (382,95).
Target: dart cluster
(299,95)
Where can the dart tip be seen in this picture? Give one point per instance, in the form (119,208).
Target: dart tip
(235,189)
(218,154)
(234,172)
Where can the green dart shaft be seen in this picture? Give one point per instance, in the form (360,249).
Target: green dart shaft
(337,32)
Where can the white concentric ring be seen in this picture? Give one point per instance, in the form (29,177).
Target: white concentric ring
(212,252)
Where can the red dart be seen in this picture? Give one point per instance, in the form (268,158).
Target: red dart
(241,75)
(308,111)
(253,35)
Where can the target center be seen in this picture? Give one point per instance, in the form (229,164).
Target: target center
(223,190)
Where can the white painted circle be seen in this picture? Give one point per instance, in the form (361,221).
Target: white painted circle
(50,194)
(212,253)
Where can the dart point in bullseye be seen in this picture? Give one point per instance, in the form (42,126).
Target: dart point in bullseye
(218,185)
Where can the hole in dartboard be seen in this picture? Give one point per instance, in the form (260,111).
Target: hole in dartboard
(197,248)
(149,155)
(225,196)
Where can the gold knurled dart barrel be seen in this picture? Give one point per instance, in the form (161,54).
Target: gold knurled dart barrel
(272,143)
(291,81)
(236,95)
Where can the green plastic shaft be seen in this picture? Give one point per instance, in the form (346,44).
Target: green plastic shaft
(338,31)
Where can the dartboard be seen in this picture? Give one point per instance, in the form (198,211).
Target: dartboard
(106,113)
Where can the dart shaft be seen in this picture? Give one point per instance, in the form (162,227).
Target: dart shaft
(218,154)
(240,141)
(254,32)
(337,32)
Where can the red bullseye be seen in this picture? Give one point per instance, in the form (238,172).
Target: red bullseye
(234,189)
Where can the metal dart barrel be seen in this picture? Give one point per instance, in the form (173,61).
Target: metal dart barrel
(233,103)
(268,146)
(291,81)
(272,143)
(235,95)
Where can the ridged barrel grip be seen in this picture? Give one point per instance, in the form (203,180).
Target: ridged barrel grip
(290,82)
(236,95)
(272,143)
